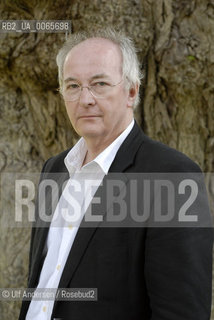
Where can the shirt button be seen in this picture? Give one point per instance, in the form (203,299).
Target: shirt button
(44,309)
(70,226)
(58,267)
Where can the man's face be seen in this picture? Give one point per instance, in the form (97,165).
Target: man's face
(98,61)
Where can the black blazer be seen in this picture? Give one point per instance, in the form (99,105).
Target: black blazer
(145,273)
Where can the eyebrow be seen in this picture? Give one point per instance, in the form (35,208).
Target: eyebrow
(96,76)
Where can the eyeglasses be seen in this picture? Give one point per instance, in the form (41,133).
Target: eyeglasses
(98,89)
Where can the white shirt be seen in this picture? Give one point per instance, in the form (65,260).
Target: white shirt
(73,203)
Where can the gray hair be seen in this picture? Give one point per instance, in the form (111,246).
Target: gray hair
(130,67)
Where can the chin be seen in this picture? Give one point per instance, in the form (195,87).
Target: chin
(89,131)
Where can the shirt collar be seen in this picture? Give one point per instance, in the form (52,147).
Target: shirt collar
(74,159)
(106,157)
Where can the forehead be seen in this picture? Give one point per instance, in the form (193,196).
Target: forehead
(95,55)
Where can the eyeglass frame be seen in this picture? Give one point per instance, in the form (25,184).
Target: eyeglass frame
(89,89)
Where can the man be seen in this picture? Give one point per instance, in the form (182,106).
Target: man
(139,272)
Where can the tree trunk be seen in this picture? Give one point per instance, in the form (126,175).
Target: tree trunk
(175,41)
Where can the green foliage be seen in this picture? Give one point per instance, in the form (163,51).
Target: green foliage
(191,58)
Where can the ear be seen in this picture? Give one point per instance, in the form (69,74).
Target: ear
(133,91)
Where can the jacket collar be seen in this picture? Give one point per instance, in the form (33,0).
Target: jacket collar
(126,154)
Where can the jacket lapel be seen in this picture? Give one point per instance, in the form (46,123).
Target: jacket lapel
(45,205)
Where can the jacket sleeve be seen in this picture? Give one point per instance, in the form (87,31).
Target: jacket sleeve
(178,269)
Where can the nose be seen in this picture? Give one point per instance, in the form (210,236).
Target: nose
(86,98)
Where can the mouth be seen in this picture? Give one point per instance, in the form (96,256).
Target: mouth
(89,116)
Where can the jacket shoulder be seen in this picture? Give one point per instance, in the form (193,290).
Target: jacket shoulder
(159,157)
(56,163)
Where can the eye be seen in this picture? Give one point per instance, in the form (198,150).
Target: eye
(100,84)
(72,86)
